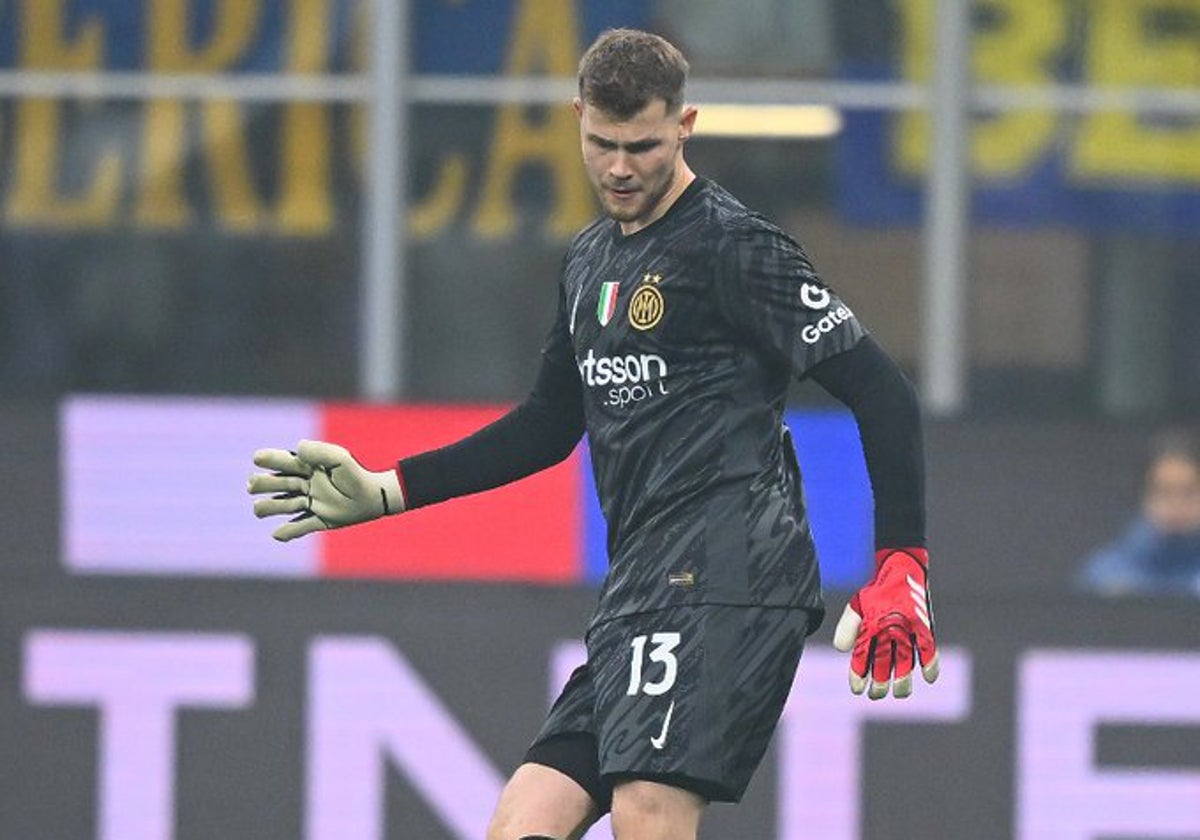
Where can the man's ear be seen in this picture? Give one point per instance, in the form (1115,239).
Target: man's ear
(577,104)
(687,122)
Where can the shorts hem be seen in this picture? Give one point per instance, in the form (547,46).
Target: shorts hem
(575,755)
(707,790)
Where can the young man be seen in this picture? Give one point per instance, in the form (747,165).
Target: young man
(682,317)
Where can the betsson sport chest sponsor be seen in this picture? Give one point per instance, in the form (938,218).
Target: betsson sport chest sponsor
(635,376)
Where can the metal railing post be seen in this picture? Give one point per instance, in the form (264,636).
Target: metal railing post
(947,208)
(382,301)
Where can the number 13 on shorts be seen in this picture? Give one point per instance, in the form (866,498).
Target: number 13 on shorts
(662,650)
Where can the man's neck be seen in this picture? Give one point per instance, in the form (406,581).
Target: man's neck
(683,178)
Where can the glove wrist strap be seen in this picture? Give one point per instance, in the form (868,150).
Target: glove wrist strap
(391,491)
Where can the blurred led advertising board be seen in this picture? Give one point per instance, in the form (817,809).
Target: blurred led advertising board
(171,709)
(156,486)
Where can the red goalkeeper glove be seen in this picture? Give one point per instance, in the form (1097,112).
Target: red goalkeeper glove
(888,624)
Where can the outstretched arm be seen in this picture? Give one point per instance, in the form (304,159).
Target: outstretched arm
(538,433)
(325,487)
(335,490)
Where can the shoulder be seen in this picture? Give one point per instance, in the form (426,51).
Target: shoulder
(737,227)
(725,211)
(751,248)
(588,236)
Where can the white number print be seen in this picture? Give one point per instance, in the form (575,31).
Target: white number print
(663,645)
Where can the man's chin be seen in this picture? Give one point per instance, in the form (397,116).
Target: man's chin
(621,213)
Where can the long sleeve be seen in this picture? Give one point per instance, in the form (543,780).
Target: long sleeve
(884,404)
(538,433)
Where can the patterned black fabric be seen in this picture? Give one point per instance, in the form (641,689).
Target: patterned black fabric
(674,347)
(689,696)
(686,335)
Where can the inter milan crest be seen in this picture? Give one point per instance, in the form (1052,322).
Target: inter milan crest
(608,302)
(646,306)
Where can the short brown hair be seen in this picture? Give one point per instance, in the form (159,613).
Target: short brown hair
(624,70)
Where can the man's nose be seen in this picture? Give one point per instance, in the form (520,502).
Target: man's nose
(620,168)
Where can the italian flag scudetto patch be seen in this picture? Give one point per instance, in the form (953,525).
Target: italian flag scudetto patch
(608,302)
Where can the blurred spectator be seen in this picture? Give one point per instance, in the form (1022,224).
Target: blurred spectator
(1159,553)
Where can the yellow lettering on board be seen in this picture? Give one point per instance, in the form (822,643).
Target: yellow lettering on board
(1017,50)
(161,201)
(305,190)
(434,212)
(1123,51)
(438,209)
(35,198)
(911,129)
(545,38)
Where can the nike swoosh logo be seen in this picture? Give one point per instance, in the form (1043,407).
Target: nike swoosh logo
(659,742)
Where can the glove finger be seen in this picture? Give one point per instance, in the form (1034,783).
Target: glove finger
(926,642)
(280,460)
(906,654)
(931,669)
(298,527)
(848,637)
(902,680)
(883,658)
(318,453)
(927,648)
(846,633)
(858,683)
(276,483)
(878,691)
(276,505)
(860,665)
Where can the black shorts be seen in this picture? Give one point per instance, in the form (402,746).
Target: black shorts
(688,696)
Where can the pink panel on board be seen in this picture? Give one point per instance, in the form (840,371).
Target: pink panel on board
(158,486)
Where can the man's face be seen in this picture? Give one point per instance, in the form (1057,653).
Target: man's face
(1172,499)
(635,165)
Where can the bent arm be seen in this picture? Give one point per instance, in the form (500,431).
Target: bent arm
(537,434)
(885,406)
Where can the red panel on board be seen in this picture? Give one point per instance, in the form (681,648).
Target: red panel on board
(530,530)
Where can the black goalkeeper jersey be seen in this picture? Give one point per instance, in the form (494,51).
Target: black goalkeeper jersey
(685,336)
(673,348)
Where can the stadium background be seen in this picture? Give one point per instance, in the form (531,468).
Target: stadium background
(190,268)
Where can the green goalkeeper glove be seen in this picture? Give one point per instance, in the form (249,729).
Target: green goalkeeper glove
(324,485)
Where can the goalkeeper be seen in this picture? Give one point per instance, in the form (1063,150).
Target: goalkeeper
(682,317)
